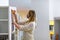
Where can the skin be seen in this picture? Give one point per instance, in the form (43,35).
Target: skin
(14,16)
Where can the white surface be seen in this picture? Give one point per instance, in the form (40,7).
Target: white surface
(20,3)
(54,8)
(3,33)
(4,3)
(10,21)
(51,15)
(3,19)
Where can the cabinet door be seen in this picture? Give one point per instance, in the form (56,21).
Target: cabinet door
(3,12)
(3,19)
(3,27)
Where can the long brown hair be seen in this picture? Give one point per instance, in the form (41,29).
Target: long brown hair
(32,16)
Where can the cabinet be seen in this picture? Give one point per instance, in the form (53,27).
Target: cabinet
(7,32)
(3,23)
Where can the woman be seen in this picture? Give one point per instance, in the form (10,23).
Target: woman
(27,26)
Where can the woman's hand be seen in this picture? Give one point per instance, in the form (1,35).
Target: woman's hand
(21,23)
(17,25)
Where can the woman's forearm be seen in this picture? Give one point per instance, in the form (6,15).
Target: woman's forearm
(16,25)
(21,23)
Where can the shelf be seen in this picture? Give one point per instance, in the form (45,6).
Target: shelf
(3,33)
(3,19)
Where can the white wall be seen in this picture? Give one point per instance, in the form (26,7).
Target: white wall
(4,2)
(21,3)
(56,8)
(51,11)
(42,11)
